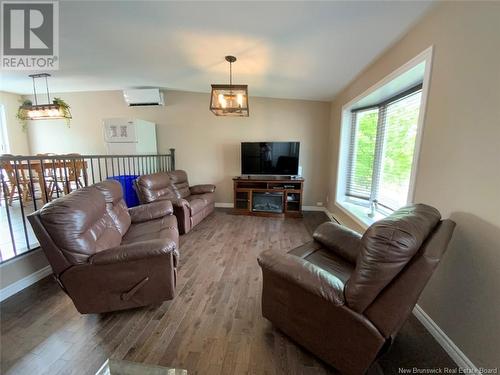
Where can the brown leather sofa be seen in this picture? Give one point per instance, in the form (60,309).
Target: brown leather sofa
(107,257)
(191,203)
(344,296)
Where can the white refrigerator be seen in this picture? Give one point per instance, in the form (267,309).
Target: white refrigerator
(129,136)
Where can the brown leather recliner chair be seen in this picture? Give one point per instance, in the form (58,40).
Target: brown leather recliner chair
(191,203)
(344,296)
(107,257)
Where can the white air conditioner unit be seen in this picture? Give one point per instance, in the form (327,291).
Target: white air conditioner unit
(143,97)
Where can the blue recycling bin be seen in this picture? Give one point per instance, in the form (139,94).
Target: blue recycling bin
(129,194)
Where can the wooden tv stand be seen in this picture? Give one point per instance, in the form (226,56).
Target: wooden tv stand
(268,196)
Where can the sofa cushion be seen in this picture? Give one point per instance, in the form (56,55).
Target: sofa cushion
(179,183)
(209,198)
(332,263)
(165,227)
(150,211)
(88,228)
(154,187)
(386,247)
(115,204)
(196,204)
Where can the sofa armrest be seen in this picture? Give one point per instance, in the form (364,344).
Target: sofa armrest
(202,189)
(150,211)
(182,211)
(179,203)
(134,251)
(339,239)
(304,274)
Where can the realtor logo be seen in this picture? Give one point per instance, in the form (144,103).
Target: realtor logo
(30,35)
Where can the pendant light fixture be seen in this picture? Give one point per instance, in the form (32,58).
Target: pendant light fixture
(229,100)
(55,109)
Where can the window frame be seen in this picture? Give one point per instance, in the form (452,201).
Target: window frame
(381,109)
(344,202)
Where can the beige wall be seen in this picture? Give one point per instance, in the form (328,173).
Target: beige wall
(459,164)
(18,140)
(18,268)
(207,147)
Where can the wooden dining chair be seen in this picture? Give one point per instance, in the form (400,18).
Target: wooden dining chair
(76,166)
(69,174)
(17,183)
(49,173)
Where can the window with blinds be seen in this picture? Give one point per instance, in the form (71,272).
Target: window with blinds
(362,153)
(381,148)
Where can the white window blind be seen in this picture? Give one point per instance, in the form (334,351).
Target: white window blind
(362,152)
(381,148)
(400,128)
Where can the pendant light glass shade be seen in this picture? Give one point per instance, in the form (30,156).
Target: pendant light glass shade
(229,99)
(57,109)
(45,112)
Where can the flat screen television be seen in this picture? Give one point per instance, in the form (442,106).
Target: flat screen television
(270,158)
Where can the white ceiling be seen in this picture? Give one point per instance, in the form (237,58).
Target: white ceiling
(304,50)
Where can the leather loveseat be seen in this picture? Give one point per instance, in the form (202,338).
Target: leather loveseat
(191,203)
(344,296)
(107,257)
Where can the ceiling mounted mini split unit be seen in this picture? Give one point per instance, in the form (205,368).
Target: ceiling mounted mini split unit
(143,97)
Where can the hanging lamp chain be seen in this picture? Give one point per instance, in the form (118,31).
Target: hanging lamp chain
(47,88)
(41,75)
(34,90)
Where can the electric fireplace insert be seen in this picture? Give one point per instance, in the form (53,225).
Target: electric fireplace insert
(267,202)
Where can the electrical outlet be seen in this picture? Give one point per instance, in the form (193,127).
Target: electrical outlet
(320,204)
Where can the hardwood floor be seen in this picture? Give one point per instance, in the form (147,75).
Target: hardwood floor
(213,326)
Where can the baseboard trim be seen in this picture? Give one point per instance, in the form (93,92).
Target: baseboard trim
(332,217)
(304,208)
(25,282)
(224,205)
(313,208)
(446,343)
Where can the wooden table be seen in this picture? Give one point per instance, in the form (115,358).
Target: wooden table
(39,167)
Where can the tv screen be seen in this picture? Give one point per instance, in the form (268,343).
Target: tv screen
(270,158)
